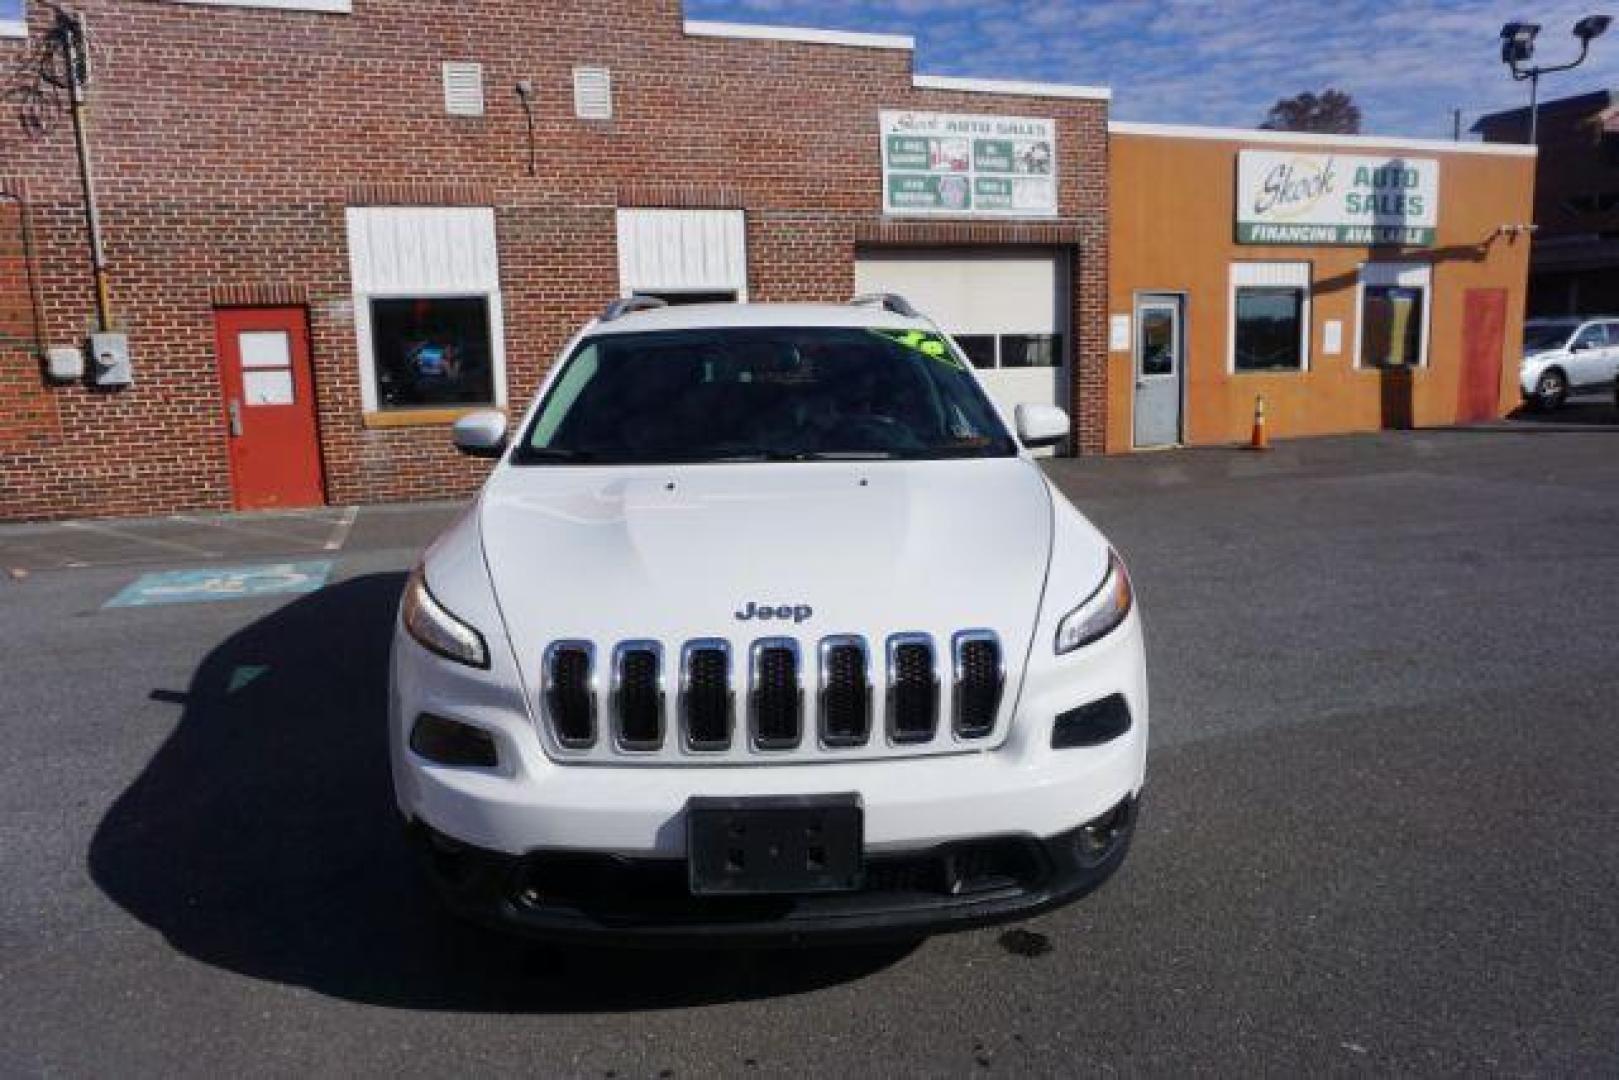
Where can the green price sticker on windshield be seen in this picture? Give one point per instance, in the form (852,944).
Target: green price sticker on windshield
(929,345)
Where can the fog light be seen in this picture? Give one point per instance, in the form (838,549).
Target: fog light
(1096,840)
(1091,725)
(448,742)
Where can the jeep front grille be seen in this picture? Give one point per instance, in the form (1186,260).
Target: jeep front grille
(775,698)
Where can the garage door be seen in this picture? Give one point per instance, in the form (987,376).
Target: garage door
(1007,311)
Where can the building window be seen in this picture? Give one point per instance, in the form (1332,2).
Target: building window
(1270,335)
(1393,315)
(1270,317)
(980,349)
(1031,350)
(1012,350)
(432,352)
(427,307)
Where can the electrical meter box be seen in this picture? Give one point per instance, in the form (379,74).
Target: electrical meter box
(65,363)
(109,360)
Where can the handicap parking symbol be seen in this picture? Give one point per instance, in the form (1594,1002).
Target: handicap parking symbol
(223,583)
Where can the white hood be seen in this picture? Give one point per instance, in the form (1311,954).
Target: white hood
(673,553)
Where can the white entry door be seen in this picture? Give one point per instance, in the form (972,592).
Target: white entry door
(1007,310)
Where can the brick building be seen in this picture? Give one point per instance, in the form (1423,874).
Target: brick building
(1574,267)
(331,229)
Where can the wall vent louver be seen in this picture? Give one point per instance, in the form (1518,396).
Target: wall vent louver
(463,88)
(592,93)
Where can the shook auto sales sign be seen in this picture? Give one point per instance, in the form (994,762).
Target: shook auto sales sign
(1302,198)
(968,165)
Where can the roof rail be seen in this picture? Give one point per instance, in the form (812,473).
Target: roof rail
(888,302)
(626,305)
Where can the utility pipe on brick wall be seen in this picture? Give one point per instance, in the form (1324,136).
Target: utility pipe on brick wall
(76,45)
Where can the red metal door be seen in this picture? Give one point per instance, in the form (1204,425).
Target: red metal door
(1484,320)
(269,407)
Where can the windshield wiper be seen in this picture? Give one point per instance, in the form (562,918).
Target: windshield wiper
(804,455)
(941,452)
(554,453)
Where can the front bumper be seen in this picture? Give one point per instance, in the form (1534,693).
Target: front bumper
(1024,787)
(595,851)
(619,900)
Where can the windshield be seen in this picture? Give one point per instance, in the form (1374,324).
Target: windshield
(763,394)
(1540,336)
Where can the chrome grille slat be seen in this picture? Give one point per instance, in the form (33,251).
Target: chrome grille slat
(637,696)
(717,701)
(706,698)
(569,693)
(844,691)
(775,693)
(913,689)
(980,678)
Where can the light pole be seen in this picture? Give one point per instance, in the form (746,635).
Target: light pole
(1518,45)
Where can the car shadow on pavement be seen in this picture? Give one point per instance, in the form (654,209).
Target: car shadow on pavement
(1580,412)
(262,838)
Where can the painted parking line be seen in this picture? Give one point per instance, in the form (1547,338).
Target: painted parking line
(222,583)
(340,531)
(138,538)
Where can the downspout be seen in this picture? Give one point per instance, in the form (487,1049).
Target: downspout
(30,259)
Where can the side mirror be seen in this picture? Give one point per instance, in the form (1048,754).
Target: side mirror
(481,434)
(1579,346)
(1041,425)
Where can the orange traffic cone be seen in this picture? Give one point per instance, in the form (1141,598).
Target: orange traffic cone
(1259,440)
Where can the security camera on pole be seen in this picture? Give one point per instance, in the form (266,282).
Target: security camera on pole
(1518,46)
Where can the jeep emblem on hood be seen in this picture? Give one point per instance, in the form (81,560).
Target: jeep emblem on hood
(765,612)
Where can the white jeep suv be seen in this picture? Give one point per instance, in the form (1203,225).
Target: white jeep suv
(765,628)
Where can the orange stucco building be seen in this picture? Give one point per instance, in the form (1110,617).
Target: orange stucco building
(1355,283)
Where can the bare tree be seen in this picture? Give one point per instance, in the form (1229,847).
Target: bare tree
(1332,112)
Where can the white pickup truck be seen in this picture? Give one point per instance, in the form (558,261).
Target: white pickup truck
(765,627)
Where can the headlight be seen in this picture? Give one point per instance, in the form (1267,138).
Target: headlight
(1102,613)
(436,630)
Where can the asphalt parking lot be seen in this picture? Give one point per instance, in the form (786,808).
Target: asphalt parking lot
(1381,835)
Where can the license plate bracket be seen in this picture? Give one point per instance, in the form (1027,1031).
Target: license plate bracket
(775,844)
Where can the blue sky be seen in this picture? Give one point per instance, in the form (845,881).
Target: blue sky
(1225,61)
(10,9)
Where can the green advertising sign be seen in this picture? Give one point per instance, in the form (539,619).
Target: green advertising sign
(905,152)
(993,155)
(992,193)
(967,165)
(1346,235)
(927,192)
